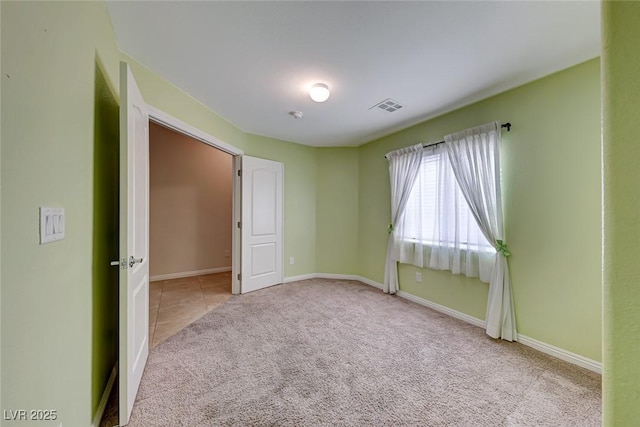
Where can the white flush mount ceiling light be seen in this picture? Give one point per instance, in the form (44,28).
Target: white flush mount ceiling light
(319,92)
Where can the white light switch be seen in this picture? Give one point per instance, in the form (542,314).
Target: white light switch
(51,224)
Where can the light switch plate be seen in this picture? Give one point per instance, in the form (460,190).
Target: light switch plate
(51,225)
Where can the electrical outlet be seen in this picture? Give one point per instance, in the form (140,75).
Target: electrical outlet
(292,260)
(226,253)
(419,277)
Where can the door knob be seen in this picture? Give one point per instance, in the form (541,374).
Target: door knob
(133,261)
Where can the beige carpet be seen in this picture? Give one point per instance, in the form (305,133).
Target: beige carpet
(340,353)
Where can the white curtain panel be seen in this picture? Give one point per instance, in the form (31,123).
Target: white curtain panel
(474,155)
(404,165)
(437,229)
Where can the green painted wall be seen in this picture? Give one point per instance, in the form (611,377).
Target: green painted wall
(49,134)
(337,211)
(621,148)
(552,198)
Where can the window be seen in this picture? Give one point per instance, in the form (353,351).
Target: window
(437,212)
(438,225)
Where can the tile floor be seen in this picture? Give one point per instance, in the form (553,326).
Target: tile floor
(174,304)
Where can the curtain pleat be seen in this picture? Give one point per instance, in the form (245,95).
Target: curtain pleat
(404,165)
(474,155)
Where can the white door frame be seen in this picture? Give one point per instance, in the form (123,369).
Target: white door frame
(179,126)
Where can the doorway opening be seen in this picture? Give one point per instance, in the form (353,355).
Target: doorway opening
(190,230)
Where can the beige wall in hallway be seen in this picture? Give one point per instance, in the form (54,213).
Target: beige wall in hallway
(190,204)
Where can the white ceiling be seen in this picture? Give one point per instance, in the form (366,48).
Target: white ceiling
(253,62)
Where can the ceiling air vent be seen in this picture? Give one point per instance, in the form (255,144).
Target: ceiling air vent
(388,105)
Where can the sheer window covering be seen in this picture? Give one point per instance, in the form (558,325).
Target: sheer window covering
(475,159)
(403,168)
(448,215)
(437,229)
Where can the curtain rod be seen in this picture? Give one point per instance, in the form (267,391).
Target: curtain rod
(504,125)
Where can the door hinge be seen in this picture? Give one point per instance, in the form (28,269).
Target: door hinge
(239,276)
(239,224)
(239,172)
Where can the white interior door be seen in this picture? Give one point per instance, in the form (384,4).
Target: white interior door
(262,223)
(134,241)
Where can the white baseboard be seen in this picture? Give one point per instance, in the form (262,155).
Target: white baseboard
(442,309)
(562,354)
(369,282)
(105,397)
(300,277)
(184,274)
(549,349)
(333,276)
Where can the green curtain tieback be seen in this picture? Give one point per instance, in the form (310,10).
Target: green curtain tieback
(503,248)
(390,228)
